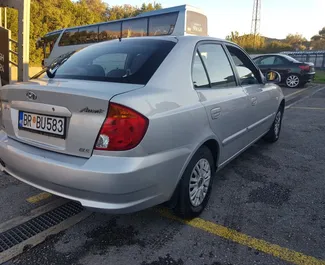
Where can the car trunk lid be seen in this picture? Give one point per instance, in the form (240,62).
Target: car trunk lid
(79,108)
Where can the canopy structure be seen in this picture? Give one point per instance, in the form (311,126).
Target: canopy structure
(23,7)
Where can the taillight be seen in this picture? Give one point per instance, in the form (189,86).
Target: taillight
(123,129)
(304,67)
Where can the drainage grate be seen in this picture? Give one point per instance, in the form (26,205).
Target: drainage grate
(22,232)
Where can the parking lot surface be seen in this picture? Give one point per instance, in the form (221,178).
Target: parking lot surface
(267,207)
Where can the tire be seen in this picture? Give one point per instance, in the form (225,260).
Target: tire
(274,133)
(302,84)
(292,81)
(187,207)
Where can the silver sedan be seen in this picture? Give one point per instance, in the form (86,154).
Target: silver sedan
(128,124)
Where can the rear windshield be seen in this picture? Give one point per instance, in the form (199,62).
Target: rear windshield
(127,61)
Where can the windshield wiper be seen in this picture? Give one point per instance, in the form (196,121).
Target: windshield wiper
(51,74)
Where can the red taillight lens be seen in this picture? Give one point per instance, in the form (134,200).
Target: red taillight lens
(123,129)
(304,67)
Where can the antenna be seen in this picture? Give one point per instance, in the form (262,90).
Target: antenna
(256,19)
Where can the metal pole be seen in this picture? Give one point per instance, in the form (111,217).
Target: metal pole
(5,17)
(10,64)
(23,40)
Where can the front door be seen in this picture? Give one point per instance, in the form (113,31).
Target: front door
(275,63)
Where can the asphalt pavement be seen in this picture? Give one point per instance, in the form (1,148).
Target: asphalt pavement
(267,207)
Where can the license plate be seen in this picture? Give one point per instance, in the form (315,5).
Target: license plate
(42,124)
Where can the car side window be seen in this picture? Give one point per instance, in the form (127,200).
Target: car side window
(269,60)
(278,60)
(199,76)
(248,73)
(217,65)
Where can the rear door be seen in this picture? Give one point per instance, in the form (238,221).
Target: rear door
(225,102)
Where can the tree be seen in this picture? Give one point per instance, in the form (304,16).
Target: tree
(249,42)
(318,41)
(98,7)
(126,11)
(120,12)
(297,41)
(149,7)
(277,46)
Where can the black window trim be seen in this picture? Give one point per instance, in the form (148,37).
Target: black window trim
(237,82)
(259,79)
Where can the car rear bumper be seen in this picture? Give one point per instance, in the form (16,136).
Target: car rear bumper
(308,77)
(111,184)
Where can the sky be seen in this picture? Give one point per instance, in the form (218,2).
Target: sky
(278,17)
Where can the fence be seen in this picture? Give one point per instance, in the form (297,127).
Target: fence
(315,57)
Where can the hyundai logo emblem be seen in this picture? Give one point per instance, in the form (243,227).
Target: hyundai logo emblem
(31,95)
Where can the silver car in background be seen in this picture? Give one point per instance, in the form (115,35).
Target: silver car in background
(128,124)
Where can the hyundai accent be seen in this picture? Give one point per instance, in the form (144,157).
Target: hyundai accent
(124,125)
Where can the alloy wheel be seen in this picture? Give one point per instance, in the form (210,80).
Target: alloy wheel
(199,182)
(277,124)
(292,81)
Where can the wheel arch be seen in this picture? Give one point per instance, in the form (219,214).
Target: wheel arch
(214,146)
(282,104)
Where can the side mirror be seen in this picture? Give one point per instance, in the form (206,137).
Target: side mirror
(272,77)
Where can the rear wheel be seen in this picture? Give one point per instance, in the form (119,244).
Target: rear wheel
(292,81)
(274,132)
(195,185)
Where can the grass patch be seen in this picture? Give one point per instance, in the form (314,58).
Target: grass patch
(320,77)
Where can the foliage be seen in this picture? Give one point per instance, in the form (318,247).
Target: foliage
(320,77)
(260,44)
(51,15)
(296,41)
(318,41)
(125,11)
(247,41)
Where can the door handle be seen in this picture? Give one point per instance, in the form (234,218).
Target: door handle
(254,101)
(215,113)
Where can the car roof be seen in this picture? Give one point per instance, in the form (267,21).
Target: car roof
(179,38)
(269,54)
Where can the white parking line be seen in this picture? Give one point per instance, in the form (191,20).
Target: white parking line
(295,93)
(308,96)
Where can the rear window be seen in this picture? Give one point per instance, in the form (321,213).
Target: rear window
(126,61)
(162,24)
(196,24)
(289,58)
